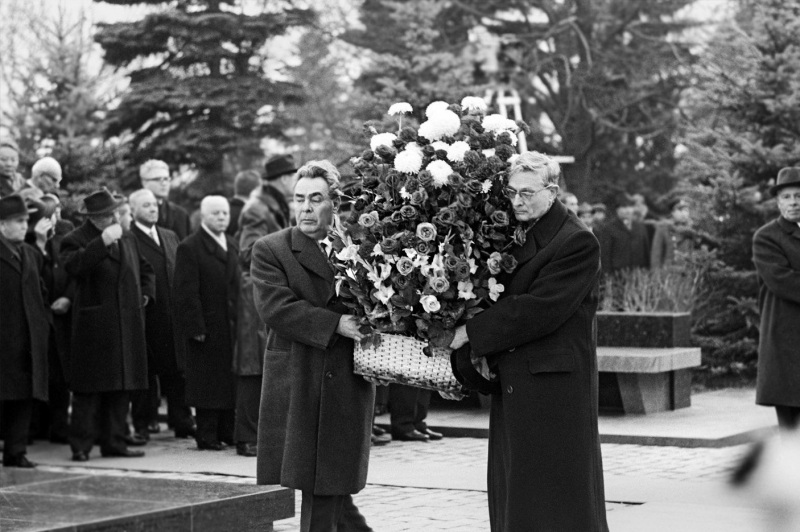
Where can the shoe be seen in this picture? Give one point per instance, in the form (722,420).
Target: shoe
(122,453)
(188,432)
(246,449)
(432,435)
(412,435)
(383,439)
(214,446)
(154,428)
(142,435)
(377,431)
(80,456)
(19,460)
(134,440)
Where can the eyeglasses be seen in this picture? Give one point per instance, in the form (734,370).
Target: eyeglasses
(165,179)
(526,195)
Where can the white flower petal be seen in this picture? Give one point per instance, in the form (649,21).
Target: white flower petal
(400,108)
(381,139)
(440,171)
(436,107)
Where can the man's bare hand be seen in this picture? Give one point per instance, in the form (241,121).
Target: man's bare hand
(460,337)
(111,234)
(451,396)
(348,326)
(200,338)
(61,306)
(42,228)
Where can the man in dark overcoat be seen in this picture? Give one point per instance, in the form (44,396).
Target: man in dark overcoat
(206,294)
(108,360)
(776,253)
(329,422)
(165,349)
(24,333)
(243,184)
(545,468)
(156,178)
(267,212)
(624,242)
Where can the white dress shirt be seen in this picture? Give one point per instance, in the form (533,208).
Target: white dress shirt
(219,238)
(150,231)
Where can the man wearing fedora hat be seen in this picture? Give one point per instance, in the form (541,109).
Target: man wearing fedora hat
(24,332)
(109,354)
(776,253)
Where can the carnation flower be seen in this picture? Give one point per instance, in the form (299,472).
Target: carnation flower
(430,303)
(457,150)
(497,123)
(441,124)
(436,107)
(400,108)
(495,289)
(426,231)
(382,139)
(408,161)
(473,103)
(440,171)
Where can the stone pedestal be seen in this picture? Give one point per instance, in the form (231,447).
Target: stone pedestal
(644,329)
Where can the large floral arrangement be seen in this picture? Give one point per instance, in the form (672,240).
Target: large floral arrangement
(430,225)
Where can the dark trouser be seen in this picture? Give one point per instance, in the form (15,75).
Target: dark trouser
(214,425)
(59,410)
(106,409)
(16,421)
(408,407)
(145,403)
(788,416)
(331,513)
(248,400)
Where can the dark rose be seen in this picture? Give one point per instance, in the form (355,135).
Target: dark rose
(370,181)
(425,178)
(446,216)
(429,151)
(390,245)
(407,134)
(365,249)
(398,143)
(464,200)
(359,204)
(477,127)
(405,238)
(474,186)
(508,263)
(455,179)
(474,143)
(500,217)
(504,138)
(462,270)
(504,152)
(361,166)
(467,233)
(386,153)
(411,184)
(488,208)
(405,266)
(367,155)
(408,212)
(441,155)
(401,281)
(397,217)
(448,323)
(418,197)
(450,262)
(519,235)
(472,158)
(486,140)
(455,108)
(422,247)
(495,164)
(439,284)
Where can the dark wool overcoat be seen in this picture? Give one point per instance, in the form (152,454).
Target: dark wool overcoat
(206,296)
(623,248)
(24,326)
(545,470)
(109,352)
(165,349)
(776,253)
(175,218)
(60,284)
(265,214)
(329,420)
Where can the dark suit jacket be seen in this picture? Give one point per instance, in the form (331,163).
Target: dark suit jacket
(236,205)
(24,326)
(206,295)
(109,352)
(174,218)
(540,337)
(776,253)
(329,419)
(622,248)
(165,349)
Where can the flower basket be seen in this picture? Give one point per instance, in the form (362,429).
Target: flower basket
(400,359)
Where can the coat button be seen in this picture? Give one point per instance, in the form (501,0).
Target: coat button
(329,375)
(510,389)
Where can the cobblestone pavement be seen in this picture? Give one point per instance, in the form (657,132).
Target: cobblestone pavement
(405,509)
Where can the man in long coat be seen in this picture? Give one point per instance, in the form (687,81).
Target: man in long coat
(329,425)
(776,253)
(165,349)
(624,242)
(156,178)
(109,354)
(545,468)
(206,296)
(265,213)
(24,332)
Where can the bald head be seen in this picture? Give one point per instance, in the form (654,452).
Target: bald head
(215,213)
(144,207)
(46,175)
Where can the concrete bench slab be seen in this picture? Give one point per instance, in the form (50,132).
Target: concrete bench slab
(646,360)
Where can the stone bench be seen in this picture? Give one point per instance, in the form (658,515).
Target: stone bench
(641,380)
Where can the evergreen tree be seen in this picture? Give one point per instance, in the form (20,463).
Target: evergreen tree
(199,91)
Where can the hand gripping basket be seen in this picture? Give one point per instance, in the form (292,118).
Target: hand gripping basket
(400,359)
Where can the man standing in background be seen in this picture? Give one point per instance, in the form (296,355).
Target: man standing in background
(45,176)
(10,180)
(624,243)
(243,184)
(155,178)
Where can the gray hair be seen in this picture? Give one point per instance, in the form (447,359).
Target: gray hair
(538,163)
(326,170)
(138,195)
(147,169)
(46,165)
(209,202)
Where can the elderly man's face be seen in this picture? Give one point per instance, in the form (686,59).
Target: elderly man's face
(101,221)
(158,183)
(14,229)
(48,181)
(9,160)
(533,196)
(789,203)
(216,216)
(314,209)
(145,209)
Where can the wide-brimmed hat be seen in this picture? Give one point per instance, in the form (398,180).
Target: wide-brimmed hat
(787,177)
(101,202)
(278,166)
(14,207)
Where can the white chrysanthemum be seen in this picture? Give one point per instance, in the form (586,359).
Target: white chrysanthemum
(408,161)
(513,158)
(488,153)
(511,134)
(439,145)
(440,171)
(444,123)
(457,150)
(473,103)
(436,107)
(413,146)
(486,186)
(382,139)
(497,123)
(400,108)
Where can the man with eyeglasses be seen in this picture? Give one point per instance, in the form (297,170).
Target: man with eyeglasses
(155,178)
(535,352)
(45,176)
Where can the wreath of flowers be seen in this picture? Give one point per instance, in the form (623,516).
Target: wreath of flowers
(429,230)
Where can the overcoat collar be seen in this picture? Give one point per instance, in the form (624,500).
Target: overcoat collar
(309,255)
(213,247)
(542,232)
(6,255)
(147,239)
(790,228)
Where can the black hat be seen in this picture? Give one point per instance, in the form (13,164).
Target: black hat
(42,210)
(278,166)
(787,177)
(14,207)
(101,202)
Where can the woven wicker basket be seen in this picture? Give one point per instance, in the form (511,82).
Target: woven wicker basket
(400,359)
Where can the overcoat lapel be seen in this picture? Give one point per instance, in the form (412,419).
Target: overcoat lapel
(147,240)
(310,256)
(791,228)
(213,248)
(541,233)
(5,255)
(169,250)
